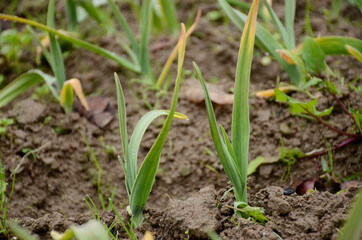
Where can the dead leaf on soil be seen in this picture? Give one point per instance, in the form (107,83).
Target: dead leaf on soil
(101,111)
(302,187)
(193,92)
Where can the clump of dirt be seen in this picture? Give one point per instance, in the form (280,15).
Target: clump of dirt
(314,215)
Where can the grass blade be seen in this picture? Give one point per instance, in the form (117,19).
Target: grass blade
(290,6)
(91,10)
(145,178)
(170,16)
(145,31)
(334,45)
(124,25)
(23,83)
(136,138)
(43,51)
(281,29)
(71,11)
(227,161)
(68,37)
(240,121)
(55,51)
(173,54)
(122,116)
(265,40)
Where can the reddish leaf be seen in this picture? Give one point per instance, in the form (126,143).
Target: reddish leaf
(303,187)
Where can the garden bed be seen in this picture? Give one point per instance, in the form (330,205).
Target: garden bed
(185,201)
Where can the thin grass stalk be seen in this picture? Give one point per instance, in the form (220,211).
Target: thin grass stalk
(55,51)
(173,54)
(71,11)
(147,173)
(240,119)
(265,40)
(123,131)
(44,51)
(124,25)
(281,29)
(170,16)
(290,6)
(145,32)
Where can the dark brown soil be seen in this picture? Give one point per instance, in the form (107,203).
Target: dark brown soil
(50,188)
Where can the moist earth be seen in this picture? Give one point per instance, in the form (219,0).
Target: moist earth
(185,202)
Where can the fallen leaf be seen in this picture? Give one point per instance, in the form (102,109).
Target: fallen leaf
(305,185)
(101,111)
(193,92)
(271,92)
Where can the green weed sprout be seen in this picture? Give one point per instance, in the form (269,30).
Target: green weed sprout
(139,184)
(234,155)
(4,123)
(33,77)
(294,60)
(308,110)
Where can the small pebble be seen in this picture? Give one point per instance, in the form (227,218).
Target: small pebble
(289,191)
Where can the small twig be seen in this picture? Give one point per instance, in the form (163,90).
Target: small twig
(345,109)
(330,126)
(27,154)
(342,144)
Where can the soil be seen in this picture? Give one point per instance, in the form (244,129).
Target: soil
(185,201)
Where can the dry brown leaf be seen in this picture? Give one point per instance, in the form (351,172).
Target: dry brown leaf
(193,92)
(101,112)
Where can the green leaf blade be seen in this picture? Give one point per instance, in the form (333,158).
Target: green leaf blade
(240,129)
(122,116)
(313,56)
(67,98)
(147,173)
(136,138)
(265,40)
(227,159)
(55,51)
(290,6)
(123,23)
(145,32)
(23,83)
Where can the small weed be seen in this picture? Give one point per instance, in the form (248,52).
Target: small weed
(4,124)
(233,154)
(13,44)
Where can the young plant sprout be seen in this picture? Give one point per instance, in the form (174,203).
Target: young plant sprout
(139,183)
(291,57)
(234,155)
(308,110)
(33,77)
(138,53)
